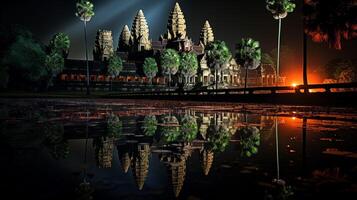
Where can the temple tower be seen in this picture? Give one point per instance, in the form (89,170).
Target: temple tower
(176,27)
(206,35)
(124,40)
(103,47)
(140,33)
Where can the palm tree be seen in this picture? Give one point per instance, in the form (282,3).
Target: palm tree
(279,9)
(115,66)
(150,68)
(170,62)
(218,56)
(189,65)
(248,55)
(60,43)
(54,65)
(85,13)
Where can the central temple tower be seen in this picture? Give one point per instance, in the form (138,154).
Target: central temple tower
(176,26)
(140,33)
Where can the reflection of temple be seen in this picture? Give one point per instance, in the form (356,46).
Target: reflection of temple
(176,165)
(135,148)
(140,164)
(207,160)
(104,148)
(135,45)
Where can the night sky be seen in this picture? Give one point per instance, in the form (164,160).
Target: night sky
(230,19)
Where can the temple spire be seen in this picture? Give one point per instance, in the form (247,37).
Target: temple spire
(206,35)
(124,39)
(140,33)
(177,24)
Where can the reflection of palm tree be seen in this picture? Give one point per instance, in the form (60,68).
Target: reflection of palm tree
(58,147)
(249,140)
(150,125)
(217,138)
(125,155)
(189,128)
(170,129)
(85,190)
(114,126)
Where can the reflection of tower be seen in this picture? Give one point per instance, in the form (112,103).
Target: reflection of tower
(104,152)
(178,172)
(125,157)
(141,164)
(207,160)
(176,164)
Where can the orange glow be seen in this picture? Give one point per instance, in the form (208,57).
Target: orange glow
(294,84)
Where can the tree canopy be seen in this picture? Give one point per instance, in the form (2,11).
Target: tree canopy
(248,53)
(25,60)
(330,21)
(60,43)
(115,66)
(85,10)
(280,8)
(189,64)
(150,67)
(170,61)
(218,53)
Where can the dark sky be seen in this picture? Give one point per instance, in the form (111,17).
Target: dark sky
(230,19)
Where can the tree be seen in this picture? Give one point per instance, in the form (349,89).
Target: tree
(4,76)
(150,68)
(25,60)
(330,21)
(170,62)
(218,56)
(279,9)
(54,64)
(327,21)
(189,65)
(60,43)
(115,66)
(85,13)
(248,55)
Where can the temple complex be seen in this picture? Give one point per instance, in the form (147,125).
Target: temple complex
(135,45)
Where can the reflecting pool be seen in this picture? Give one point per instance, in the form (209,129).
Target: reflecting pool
(125,149)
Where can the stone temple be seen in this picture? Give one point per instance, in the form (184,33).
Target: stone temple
(135,44)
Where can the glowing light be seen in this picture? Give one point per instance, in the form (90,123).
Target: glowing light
(294,84)
(293,118)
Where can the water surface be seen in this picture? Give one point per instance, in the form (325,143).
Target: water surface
(106,149)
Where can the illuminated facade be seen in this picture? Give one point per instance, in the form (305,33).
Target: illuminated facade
(135,45)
